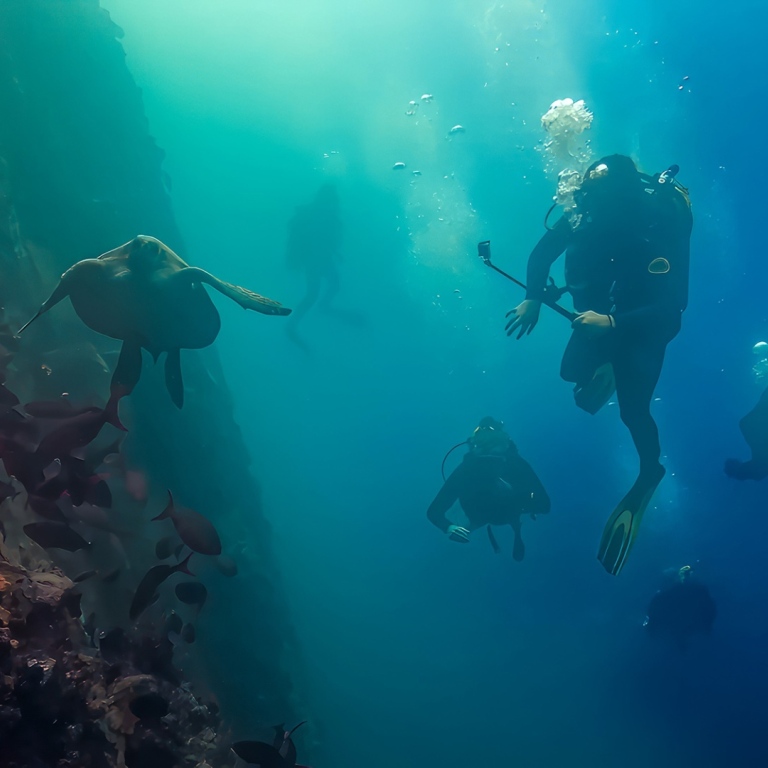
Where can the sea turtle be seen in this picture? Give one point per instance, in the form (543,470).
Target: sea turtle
(147,296)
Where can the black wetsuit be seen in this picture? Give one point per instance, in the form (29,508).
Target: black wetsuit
(636,270)
(492,490)
(754,427)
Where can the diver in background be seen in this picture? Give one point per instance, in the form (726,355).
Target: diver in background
(681,609)
(313,247)
(627,255)
(754,427)
(494,486)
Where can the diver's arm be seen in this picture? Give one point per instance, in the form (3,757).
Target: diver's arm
(533,498)
(524,316)
(543,256)
(445,499)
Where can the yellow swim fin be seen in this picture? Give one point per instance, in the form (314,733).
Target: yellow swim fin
(621,529)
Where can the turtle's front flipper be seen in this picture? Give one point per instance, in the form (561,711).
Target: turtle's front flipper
(60,292)
(128,370)
(173,380)
(245,298)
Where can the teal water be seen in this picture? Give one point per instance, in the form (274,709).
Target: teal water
(416,652)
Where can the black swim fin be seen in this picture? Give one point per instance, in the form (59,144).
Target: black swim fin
(598,391)
(623,525)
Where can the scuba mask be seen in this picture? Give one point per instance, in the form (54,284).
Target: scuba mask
(489,437)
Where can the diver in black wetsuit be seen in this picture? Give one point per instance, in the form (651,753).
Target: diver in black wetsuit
(754,427)
(627,256)
(494,486)
(680,609)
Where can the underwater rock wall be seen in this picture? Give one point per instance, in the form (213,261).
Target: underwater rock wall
(79,175)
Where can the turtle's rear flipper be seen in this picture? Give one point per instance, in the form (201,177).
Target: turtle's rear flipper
(128,370)
(245,298)
(173,380)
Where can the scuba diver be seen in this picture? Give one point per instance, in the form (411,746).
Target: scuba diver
(627,246)
(314,247)
(681,609)
(494,486)
(754,427)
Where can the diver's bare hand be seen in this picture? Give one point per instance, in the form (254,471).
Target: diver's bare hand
(523,317)
(457,533)
(592,323)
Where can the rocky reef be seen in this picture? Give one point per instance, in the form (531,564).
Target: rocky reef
(79,175)
(64,703)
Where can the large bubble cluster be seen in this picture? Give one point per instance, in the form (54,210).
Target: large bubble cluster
(567,150)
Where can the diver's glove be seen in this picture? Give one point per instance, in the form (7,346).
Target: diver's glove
(523,317)
(457,533)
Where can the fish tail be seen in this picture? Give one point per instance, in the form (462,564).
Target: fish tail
(110,412)
(182,566)
(167,512)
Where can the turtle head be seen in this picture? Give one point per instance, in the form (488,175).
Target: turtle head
(147,253)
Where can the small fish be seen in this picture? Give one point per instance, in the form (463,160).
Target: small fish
(77,432)
(114,645)
(188,633)
(226,566)
(55,536)
(53,409)
(153,578)
(173,623)
(164,547)
(136,484)
(457,129)
(283,742)
(111,576)
(195,530)
(95,457)
(191,592)
(84,576)
(149,706)
(398,166)
(259,753)
(89,625)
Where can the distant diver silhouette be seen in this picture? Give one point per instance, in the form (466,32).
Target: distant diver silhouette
(313,247)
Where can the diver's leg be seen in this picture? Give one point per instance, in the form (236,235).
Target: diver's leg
(637,366)
(586,363)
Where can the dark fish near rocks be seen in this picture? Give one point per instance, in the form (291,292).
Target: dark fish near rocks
(188,633)
(259,753)
(84,576)
(153,578)
(164,547)
(54,409)
(226,566)
(77,432)
(149,706)
(111,576)
(173,623)
(283,742)
(195,530)
(192,592)
(280,754)
(55,536)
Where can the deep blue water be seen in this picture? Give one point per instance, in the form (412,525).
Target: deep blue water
(418,652)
